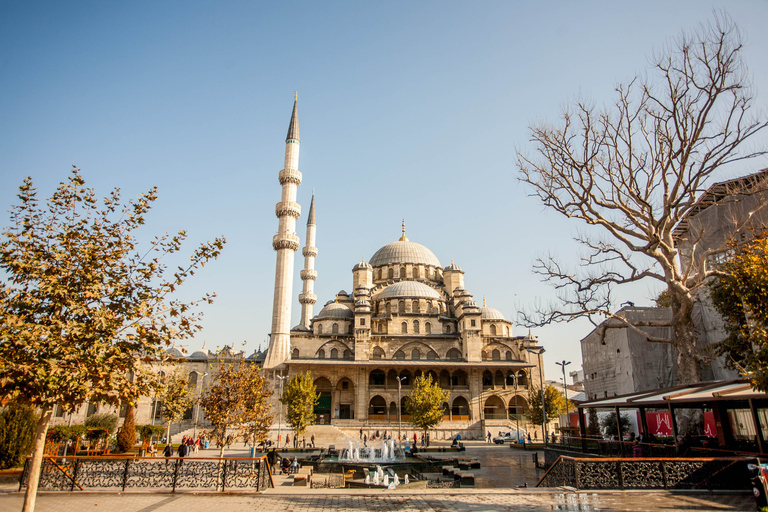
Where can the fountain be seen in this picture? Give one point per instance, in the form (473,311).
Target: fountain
(387,451)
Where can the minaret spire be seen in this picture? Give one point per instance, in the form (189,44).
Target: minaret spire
(307,298)
(403,238)
(286,243)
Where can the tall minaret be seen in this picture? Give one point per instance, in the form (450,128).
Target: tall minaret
(308,275)
(285,243)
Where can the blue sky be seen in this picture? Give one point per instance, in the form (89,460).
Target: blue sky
(407,110)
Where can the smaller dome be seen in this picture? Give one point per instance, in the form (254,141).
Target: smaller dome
(342,293)
(458,290)
(464,293)
(174,352)
(487,313)
(258,356)
(453,267)
(200,354)
(470,304)
(362,265)
(335,310)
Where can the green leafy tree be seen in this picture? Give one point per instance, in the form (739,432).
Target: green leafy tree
(554,402)
(425,403)
(81,309)
(126,438)
(102,421)
(239,397)
(609,425)
(18,423)
(741,298)
(300,397)
(593,424)
(630,172)
(176,397)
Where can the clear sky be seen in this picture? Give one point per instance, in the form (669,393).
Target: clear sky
(407,110)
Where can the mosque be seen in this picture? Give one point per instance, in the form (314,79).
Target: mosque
(405,315)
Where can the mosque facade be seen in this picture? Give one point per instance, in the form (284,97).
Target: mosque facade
(406,315)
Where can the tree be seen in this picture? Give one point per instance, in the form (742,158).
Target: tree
(17,434)
(633,172)
(238,397)
(175,394)
(593,424)
(554,402)
(126,438)
(742,300)
(425,402)
(300,397)
(609,425)
(81,310)
(102,421)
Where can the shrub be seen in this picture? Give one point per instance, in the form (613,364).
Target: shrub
(18,424)
(126,438)
(102,421)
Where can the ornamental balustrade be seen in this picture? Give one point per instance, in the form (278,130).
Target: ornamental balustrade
(155,473)
(650,473)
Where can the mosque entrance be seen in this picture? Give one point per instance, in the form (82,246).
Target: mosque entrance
(323,408)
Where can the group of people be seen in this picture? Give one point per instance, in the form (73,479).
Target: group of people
(187,446)
(296,442)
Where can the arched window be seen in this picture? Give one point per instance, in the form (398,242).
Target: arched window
(319,328)
(495,355)
(377,378)
(459,379)
(381,327)
(454,354)
(447,329)
(405,378)
(506,331)
(334,353)
(335,328)
(381,273)
(415,306)
(460,408)
(416,272)
(402,272)
(432,355)
(399,355)
(416,326)
(350,327)
(321,354)
(485,356)
(428,328)
(487,379)
(415,354)
(493,330)
(378,353)
(347,354)
(401,306)
(295,354)
(391,273)
(509,355)
(192,380)
(404,327)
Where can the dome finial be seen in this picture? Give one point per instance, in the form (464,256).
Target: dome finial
(404,238)
(483,300)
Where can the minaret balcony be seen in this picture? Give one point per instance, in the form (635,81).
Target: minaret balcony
(285,241)
(288,208)
(290,176)
(309,252)
(308,275)
(307,298)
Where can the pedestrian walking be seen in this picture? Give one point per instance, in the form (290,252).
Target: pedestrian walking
(312,441)
(287,440)
(167,452)
(489,437)
(361,433)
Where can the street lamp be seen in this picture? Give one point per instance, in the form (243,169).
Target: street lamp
(399,422)
(563,364)
(517,410)
(197,411)
(280,414)
(538,351)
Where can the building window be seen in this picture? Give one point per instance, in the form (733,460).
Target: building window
(509,355)
(321,354)
(428,328)
(404,328)
(399,355)
(401,306)
(472,323)
(334,353)
(295,354)
(335,329)
(496,355)
(362,321)
(416,272)
(402,272)
(493,330)
(319,328)
(391,273)
(416,326)
(347,354)
(415,354)
(345,384)
(415,306)
(378,353)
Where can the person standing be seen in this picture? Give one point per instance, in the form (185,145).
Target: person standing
(312,441)
(361,433)
(287,440)
(167,452)
(489,437)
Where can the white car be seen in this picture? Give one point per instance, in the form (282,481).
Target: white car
(509,437)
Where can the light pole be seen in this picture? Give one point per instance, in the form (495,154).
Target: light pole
(280,414)
(197,411)
(539,351)
(517,411)
(399,422)
(563,364)
(154,406)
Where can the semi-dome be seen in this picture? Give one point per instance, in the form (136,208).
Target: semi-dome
(487,313)
(404,251)
(335,310)
(410,289)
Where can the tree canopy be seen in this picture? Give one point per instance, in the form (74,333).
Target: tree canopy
(554,403)
(300,397)
(176,397)
(742,300)
(82,310)
(425,402)
(631,172)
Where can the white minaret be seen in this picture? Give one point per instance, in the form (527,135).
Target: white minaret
(285,243)
(308,275)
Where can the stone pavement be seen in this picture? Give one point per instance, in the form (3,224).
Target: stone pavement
(350,500)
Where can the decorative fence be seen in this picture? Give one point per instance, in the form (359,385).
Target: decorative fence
(155,473)
(605,473)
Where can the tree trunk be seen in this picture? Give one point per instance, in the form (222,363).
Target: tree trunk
(685,340)
(168,436)
(37,460)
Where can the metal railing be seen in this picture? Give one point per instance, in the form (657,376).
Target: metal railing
(648,473)
(156,473)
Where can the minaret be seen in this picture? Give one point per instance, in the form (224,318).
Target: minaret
(308,275)
(285,243)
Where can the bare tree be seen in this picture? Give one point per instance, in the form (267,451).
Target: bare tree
(634,171)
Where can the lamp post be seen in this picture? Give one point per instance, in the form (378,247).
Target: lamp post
(517,410)
(538,351)
(154,406)
(280,414)
(197,410)
(399,421)
(563,364)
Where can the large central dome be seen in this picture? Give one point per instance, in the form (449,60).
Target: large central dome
(404,251)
